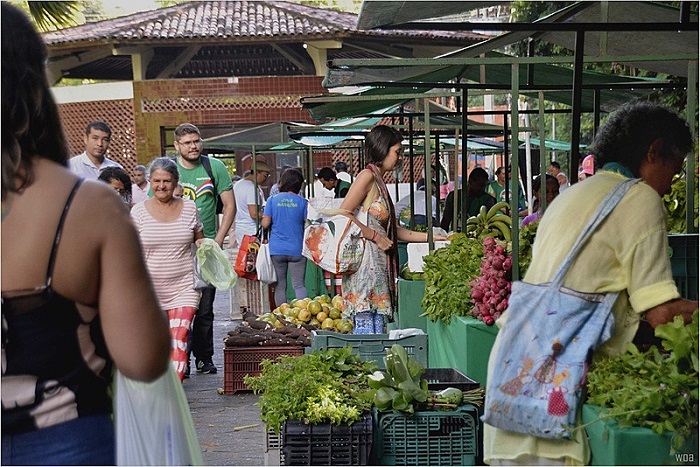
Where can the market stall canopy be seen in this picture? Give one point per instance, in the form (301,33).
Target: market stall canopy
(378,13)
(675,44)
(476,144)
(260,136)
(554,144)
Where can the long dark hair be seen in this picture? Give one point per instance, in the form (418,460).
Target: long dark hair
(31,125)
(378,142)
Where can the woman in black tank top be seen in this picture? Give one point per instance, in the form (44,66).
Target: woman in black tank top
(69,256)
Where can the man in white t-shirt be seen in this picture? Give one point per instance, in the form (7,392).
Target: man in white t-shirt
(141,185)
(90,163)
(249,202)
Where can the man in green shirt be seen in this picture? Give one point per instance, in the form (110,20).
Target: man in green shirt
(330,181)
(199,187)
(476,197)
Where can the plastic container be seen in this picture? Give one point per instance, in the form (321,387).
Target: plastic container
(684,263)
(242,361)
(410,309)
(272,447)
(612,445)
(427,438)
(326,444)
(371,347)
(441,378)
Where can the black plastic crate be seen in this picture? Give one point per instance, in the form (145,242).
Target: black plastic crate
(441,378)
(326,444)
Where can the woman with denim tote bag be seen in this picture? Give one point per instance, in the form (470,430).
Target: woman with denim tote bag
(625,258)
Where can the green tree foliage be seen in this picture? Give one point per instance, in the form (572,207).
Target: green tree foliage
(52,15)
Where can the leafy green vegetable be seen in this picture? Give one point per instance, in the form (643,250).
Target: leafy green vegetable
(401,387)
(328,386)
(676,204)
(448,272)
(653,389)
(526,240)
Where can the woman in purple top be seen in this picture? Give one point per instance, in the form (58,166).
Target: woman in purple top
(552,192)
(286,213)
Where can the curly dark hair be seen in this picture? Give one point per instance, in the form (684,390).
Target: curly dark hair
(626,135)
(31,125)
(378,142)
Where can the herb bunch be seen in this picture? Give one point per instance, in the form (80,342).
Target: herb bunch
(327,386)
(653,389)
(448,271)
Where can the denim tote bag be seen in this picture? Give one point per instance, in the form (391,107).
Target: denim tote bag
(541,361)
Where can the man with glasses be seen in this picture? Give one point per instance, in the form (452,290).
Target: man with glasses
(201,187)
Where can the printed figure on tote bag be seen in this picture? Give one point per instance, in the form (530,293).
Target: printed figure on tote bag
(587,290)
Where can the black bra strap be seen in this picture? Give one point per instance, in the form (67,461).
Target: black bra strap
(59,230)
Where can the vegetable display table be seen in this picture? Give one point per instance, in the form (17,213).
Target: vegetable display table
(612,445)
(410,309)
(464,344)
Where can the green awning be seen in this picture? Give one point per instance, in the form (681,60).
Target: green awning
(554,144)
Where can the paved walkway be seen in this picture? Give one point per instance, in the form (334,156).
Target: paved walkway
(228,426)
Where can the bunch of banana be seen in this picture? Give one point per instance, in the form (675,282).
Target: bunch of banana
(490,223)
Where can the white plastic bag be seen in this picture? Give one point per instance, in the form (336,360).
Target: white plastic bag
(263,265)
(153,422)
(215,265)
(198,281)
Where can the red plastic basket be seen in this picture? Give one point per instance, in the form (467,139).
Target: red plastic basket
(242,361)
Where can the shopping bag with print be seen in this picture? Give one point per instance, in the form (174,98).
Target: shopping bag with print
(247,257)
(542,353)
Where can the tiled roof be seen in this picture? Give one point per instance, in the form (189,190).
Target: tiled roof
(253,20)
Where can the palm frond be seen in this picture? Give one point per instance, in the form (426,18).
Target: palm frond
(53,15)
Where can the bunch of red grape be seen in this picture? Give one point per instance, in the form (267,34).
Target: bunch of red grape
(491,290)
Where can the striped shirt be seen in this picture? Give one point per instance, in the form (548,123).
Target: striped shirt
(168,254)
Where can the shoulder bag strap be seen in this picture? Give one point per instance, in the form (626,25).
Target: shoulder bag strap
(207,168)
(605,208)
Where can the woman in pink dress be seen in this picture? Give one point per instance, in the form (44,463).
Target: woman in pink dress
(168,226)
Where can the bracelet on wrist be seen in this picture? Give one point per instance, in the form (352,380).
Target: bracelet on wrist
(374,235)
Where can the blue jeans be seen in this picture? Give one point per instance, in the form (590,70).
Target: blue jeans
(83,441)
(297,271)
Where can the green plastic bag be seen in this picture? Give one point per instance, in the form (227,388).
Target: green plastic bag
(215,265)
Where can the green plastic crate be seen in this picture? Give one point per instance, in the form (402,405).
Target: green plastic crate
(371,347)
(684,263)
(427,438)
(612,445)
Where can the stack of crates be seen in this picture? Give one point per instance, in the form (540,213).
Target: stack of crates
(326,444)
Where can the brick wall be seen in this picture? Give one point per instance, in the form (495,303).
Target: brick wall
(136,124)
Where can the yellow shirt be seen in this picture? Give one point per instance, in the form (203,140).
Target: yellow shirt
(628,253)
